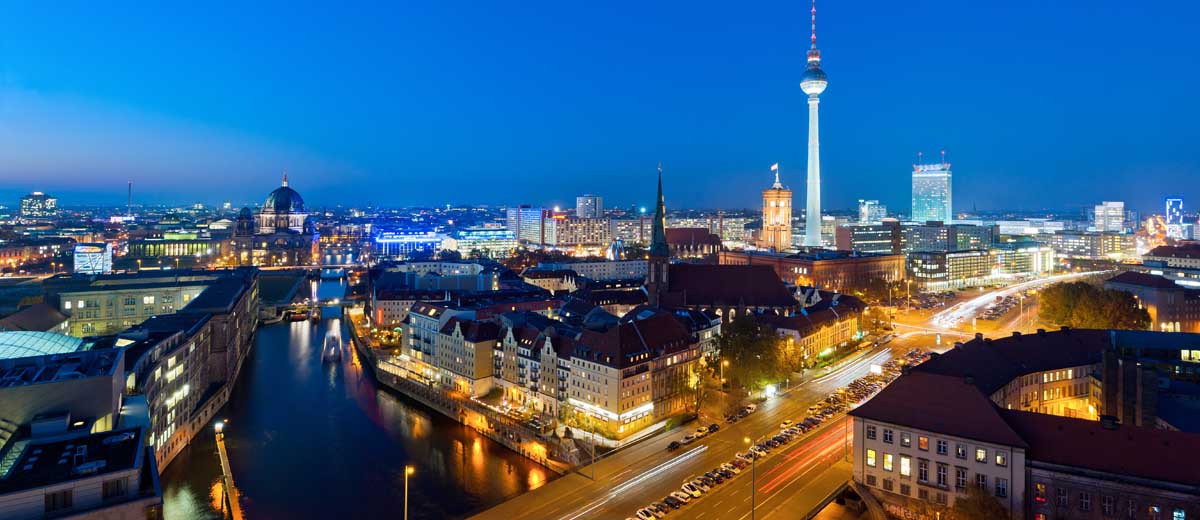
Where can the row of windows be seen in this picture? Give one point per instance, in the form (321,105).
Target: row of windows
(1084,501)
(942,469)
(960,450)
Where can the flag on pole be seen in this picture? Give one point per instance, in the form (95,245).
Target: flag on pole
(775,167)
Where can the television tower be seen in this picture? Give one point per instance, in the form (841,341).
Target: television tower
(813,83)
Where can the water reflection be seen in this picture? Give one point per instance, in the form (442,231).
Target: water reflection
(301,447)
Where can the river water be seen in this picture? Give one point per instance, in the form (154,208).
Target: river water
(313,439)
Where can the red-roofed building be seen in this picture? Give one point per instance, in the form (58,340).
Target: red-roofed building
(991,414)
(693,242)
(727,290)
(1172,307)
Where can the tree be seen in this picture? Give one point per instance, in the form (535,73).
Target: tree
(1087,306)
(752,350)
(978,505)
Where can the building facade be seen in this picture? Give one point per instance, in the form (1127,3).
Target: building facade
(943,270)
(589,206)
(1109,216)
(884,237)
(280,234)
(776,232)
(932,193)
(38,205)
(841,271)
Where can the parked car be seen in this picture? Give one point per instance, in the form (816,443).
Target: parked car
(712,428)
(670,500)
(691,489)
(701,431)
(674,445)
(731,468)
(646,513)
(785,424)
(688,439)
(682,496)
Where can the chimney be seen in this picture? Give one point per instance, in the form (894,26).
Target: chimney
(1041,332)
(1065,328)
(1016,333)
(1109,422)
(978,336)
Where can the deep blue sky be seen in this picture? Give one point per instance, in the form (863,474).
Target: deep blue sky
(1039,104)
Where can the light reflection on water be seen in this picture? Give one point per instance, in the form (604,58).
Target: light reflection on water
(301,447)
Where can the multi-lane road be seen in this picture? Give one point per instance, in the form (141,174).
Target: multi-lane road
(645,472)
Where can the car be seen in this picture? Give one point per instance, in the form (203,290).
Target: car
(739,463)
(725,473)
(742,414)
(688,439)
(751,407)
(682,496)
(646,513)
(660,507)
(701,431)
(712,428)
(757,451)
(674,445)
(675,503)
(700,484)
(707,480)
(715,477)
(785,424)
(772,443)
(731,418)
(691,490)
(745,456)
(732,468)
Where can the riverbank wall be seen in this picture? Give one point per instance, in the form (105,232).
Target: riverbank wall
(475,415)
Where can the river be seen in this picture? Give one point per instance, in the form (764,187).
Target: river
(313,439)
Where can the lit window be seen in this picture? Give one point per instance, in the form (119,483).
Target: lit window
(923,443)
(871,458)
(1001,458)
(887,461)
(980,455)
(905,466)
(905,439)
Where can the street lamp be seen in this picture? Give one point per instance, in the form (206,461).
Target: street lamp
(724,363)
(408,470)
(753,463)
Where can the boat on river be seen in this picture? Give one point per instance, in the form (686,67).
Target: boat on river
(332,349)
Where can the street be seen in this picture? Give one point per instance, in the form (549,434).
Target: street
(646,472)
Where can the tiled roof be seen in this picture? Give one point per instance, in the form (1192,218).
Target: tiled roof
(727,285)
(617,346)
(472,330)
(39,317)
(1144,280)
(993,363)
(942,404)
(1125,450)
(692,237)
(1186,250)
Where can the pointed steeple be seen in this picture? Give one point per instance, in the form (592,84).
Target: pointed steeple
(658,234)
(284,179)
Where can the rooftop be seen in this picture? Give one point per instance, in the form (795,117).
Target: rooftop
(17,344)
(58,367)
(727,285)
(1144,280)
(1138,452)
(45,463)
(943,404)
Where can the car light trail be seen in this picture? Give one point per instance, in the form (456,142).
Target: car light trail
(648,474)
(962,311)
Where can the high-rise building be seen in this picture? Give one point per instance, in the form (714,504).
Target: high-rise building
(1174,219)
(527,223)
(871,211)
(1174,214)
(1109,216)
(777,217)
(931,193)
(813,83)
(884,237)
(589,206)
(39,205)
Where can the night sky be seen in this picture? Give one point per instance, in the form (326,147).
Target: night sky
(1038,104)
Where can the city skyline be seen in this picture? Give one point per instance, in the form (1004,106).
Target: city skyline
(714,95)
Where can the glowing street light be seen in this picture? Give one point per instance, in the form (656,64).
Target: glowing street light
(408,470)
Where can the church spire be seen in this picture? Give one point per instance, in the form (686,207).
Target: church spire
(658,234)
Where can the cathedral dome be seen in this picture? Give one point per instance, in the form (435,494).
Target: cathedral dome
(284,200)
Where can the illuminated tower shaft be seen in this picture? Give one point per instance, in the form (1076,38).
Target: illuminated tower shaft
(813,83)
(812,225)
